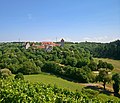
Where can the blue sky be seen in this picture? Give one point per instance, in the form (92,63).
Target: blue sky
(73,20)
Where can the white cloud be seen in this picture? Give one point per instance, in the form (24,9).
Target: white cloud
(103,39)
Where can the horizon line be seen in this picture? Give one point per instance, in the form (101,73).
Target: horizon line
(57,41)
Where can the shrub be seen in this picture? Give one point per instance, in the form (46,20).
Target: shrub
(116,87)
(90,93)
(29,67)
(19,76)
(4,73)
(116,78)
(93,66)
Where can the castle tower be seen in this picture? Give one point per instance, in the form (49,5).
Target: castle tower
(62,43)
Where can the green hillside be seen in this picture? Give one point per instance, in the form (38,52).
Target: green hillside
(64,84)
(54,80)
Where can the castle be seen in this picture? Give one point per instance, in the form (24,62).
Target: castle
(47,46)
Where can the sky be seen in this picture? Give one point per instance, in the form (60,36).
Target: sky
(51,20)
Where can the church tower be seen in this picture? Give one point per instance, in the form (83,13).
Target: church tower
(62,43)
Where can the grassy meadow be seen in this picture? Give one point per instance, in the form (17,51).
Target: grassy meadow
(62,83)
(115,63)
(54,80)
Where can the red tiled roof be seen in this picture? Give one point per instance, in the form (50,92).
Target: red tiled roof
(42,47)
(49,43)
(44,44)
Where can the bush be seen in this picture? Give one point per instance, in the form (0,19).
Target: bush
(19,76)
(116,78)
(116,87)
(4,73)
(90,93)
(51,67)
(110,66)
(29,67)
(93,66)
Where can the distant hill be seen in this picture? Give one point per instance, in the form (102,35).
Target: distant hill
(103,50)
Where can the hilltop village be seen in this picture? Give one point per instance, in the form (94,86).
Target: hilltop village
(47,46)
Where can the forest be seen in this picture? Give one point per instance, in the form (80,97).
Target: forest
(103,50)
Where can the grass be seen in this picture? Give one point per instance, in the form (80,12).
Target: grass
(115,63)
(104,97)
(54,80)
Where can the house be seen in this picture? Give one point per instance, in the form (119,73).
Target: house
(47,46)
(27,45)
(49,43)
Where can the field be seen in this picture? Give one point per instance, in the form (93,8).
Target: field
(62,83)
(53,80)
(116,63)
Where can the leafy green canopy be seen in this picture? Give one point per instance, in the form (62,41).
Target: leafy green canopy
(70,61)
(103,50)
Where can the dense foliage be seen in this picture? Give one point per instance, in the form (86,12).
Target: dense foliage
(30,61)
(70,61)
(19,91)
(16,58)
(19,76)
(116,78)
(103,50)
(83,74)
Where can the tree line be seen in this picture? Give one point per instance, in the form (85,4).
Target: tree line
(103,50)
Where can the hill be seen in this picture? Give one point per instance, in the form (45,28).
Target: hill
(103,50)
(72,86)
(54,80)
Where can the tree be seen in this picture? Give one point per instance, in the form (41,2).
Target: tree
(106,65)
(19,76)
(103,77)
(93,66)
(29,67)
(110,66)
(102,64)
(71,61)
(116,87)
(51,67)
(81,62)
(38,63)
(116,78)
